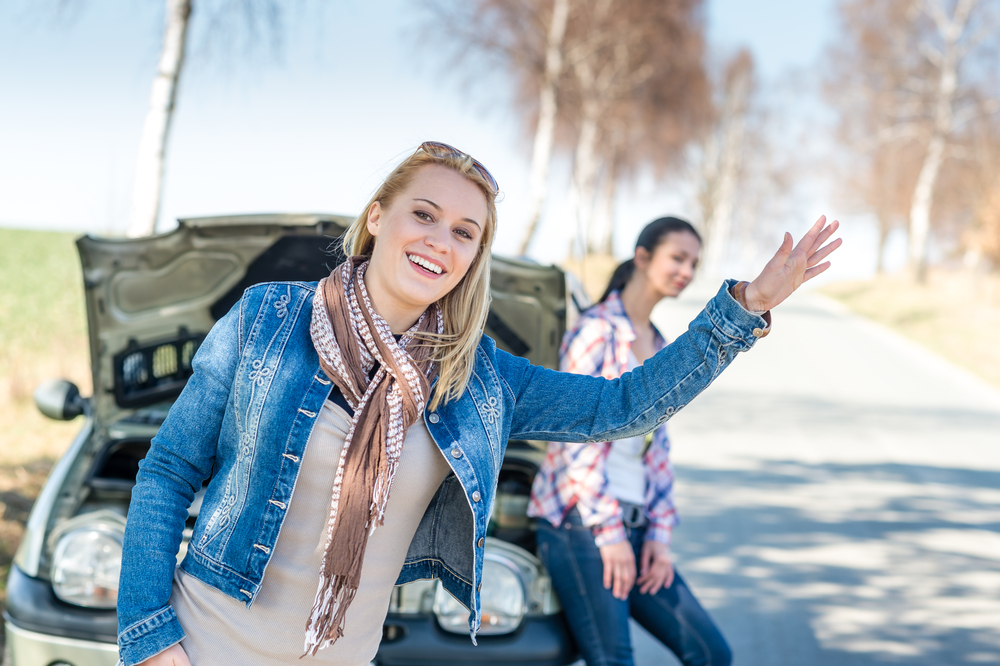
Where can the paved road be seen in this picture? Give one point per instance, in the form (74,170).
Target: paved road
(840,495)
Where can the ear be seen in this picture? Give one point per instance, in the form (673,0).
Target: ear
(374,217)
(642,257)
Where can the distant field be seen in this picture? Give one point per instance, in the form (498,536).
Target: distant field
(954,314)
(42,335)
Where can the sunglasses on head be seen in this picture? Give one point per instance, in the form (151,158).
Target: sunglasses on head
(442,150)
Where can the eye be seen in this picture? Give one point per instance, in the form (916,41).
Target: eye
(423,215)
(464,233)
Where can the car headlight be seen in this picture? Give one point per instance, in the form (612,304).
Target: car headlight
(87,560)
(501,598)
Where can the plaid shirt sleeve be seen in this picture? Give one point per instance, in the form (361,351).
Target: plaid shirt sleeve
(573,473)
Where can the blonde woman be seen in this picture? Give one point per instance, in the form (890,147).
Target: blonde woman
(353,431)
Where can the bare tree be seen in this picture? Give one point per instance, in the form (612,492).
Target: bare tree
(637,96)
(584,66)
(155,131)
(955,35)
(722,159)
(907,80)
(545,129)
(221,17)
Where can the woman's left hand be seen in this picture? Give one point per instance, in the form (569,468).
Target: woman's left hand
(655,568)
(790,267)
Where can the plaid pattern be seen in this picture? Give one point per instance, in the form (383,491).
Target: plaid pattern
(573,473)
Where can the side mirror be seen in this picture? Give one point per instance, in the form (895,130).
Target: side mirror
(59,399)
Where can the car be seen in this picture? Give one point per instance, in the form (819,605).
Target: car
(150,302)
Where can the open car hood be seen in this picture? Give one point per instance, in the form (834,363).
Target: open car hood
(151,301)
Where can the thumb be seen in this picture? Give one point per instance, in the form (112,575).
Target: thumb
(786,244)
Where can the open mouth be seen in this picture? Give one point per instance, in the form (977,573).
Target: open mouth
(425,264)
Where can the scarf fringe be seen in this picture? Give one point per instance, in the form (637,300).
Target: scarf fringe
(326,621)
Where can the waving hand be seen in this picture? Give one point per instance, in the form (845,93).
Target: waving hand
(790,267)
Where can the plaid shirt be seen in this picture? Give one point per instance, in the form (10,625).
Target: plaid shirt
(573,473)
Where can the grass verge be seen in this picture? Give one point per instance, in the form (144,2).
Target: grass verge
(43,335)
(954,314)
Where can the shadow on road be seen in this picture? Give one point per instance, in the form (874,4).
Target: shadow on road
(846,563)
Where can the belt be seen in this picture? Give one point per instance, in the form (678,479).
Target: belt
(633,515)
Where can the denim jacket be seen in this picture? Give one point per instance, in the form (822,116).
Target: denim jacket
(248,409)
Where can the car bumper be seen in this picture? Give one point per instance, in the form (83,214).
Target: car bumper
(419,641)
(30,648)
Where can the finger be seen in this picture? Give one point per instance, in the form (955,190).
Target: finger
(826,233)
(813,233)
(619,591)
(669,580)
(815,270)
(608,574)
(646,559)
(822,254)
(658,584)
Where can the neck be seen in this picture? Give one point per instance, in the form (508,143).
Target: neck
(397,315)
(639,299)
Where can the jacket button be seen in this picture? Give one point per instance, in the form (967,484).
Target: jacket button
(456,452)
(476,496)
(757,332)
(434,418)
(481,542)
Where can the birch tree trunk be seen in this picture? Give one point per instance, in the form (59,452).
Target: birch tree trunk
(601,237)
(152,145)
(541,153)
(950,30)
(581,194)
(722,176)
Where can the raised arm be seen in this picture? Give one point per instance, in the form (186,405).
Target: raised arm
(556,406)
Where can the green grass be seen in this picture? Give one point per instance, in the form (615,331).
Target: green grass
(43,334)
(41,299)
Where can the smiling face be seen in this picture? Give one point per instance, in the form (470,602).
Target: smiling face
(425,240)
(672,264)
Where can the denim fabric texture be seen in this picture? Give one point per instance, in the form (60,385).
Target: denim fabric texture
(247,411)
(600,622)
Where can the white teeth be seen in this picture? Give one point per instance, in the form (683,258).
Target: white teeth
(420,261)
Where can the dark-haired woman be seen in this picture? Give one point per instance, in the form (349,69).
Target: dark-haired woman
(607,509)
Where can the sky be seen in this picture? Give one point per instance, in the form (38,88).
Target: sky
(358,85)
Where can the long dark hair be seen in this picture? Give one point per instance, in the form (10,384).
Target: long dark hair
(651,236)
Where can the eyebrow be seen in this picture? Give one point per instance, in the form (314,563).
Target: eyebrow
(438,208)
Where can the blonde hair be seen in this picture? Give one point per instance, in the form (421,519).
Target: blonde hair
(465,307)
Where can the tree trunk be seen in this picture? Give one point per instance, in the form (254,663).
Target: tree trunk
(541,153)
(152,145)
(602,233)
(730,161)
(581,195)
(950,31)
(920,209)
(883,238)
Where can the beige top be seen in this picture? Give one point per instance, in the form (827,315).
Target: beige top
(221,631)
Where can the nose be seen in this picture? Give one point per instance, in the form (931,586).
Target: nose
(437,238)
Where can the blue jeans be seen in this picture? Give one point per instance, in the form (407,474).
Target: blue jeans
(599,622)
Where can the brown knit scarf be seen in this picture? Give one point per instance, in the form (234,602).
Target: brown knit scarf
(350,337)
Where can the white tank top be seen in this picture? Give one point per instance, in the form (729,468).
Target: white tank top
(624,469)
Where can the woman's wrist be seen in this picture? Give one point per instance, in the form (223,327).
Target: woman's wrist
(739,293)
(751,300)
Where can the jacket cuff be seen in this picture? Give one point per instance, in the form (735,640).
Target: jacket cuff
(609,533)
(732,319)
(659,532)
(147,638)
